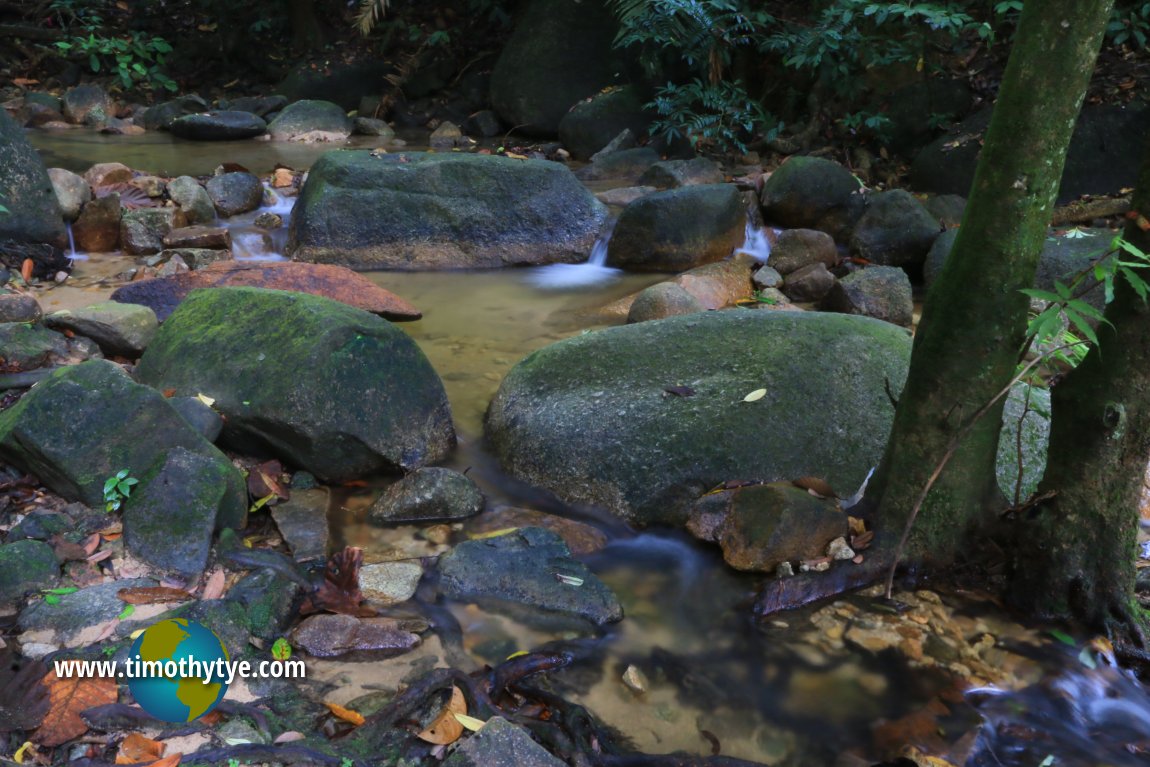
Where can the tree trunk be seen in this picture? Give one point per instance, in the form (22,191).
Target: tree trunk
(306,32)
(1075,557)
(967,345)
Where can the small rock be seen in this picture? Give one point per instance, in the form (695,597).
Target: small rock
(282,178)
(838,549)
(218,126)
(199,416)
(624,195)
(173,264)
(635,679)
(483,123)
(234,193)
(302,521)
(882,292)
(766,277)
(672,174)
(25,567)
(71,190)
(665,299)
(269,221)
(105,173)
(153,186)
(390,582)
(310,120)
(120,329)
(269,600)
(370,126)
(201,237)
(446,135)
(192,258)
(142,231)
(19,307)
(580,537)
(97,230)
(625,139)
(329,636)
(796,248)
(193,200)
(810,283)
(784,570)
(87,105)
(436,534)
(501,744)
(79,610)
(430,493)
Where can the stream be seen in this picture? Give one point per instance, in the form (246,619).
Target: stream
(779,693)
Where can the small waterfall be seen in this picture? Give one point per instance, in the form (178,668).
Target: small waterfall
(250,242)
(72,254)
(755,243)
(593,271)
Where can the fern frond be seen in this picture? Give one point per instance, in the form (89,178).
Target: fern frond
(369,14)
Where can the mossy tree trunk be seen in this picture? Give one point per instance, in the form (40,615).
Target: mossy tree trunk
(1076,554)
(967,345)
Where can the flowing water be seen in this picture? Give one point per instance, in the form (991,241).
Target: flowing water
(714,679)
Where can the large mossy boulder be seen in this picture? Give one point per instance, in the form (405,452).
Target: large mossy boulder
(311,120)
(590,418)
(678,229)
(560,53)
(812,193)
(33,212)
(416,211)
(87,422)
(327,387)
(594,122)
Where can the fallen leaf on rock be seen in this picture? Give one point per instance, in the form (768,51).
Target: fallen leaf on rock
(447,728)
(346,714)
(209,401)
(857,526)
(91,543)
(29,748)
(66,699)
(214,587)
(152,595)
(755,396)
(136,748)
(470,722)
(340,592)
(288,737)
(817,487)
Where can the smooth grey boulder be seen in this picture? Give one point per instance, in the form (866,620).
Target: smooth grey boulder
(588,419)
(430,493)
(34,213)
(74,612)
(120,329)
(501,744)
(326,387)
(592,123)
(895,230)
(235,193)
(142,230)
(812,193)
(678,229)
(87,422)
(672,174)
(160,116)
(19,307)
(412,211)
(626,165)
(25,567)
(530,567)
(311,120)
(809,283)
(71,190)
(882,292)
(193,200)
(664,299)
(218,126)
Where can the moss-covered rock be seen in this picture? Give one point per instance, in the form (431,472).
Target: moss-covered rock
(310,119)
(812,193)
(34,213)
(592,123)
(119,329)
(589,418)
(26,566)
(560,52)
(24,346)
(678,229)
(895,230)
(269,601)
(882,292)
(327,387)
(430,493)
(85,423)
(442,211)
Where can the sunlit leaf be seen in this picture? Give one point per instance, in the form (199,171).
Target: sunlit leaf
(755,396)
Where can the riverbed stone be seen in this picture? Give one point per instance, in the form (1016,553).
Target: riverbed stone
(120,329)
(678,229)
(626,165)
(269,599)
(87,607)
(501,744)
(87,104)
(809,283)
(521,567)
(428,494)
(199,416)
(882,292)
(25,567)
(592,123)
(192,258)
(97,230)
(412,211)
(310,120)
(369,401)
(19,307)
(160,116)
(229,125)
(558,53)
(580,537)
(260,106)
(107,173)
(765,525)
(766,277)
(204,237)
(664,299)
(302,521)
(587,419)
(234,193)
(338,283)
(86,422)
(193,200)
(26,346)
(624,195)
(169,520)
(390,582)
(371,126)
(796,248)
(26,191)
(809,192)
(329,636)
(142,230)
(895,230)
(672,174)
(71,190)
(446,135)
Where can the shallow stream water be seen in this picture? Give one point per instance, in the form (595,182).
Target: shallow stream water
(763,693)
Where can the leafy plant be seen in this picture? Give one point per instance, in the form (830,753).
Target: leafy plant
(117,488)
(1130,24)
(136,58)
(720,115)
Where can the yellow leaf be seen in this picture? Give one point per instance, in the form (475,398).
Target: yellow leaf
(446,728)
(28,748)
(209,401)
(136,634)
(492,533)
(516,654)
(346,714)
(919,65)
(514,156)
(755,396)
(470,722)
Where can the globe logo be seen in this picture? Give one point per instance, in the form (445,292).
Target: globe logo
(176,670)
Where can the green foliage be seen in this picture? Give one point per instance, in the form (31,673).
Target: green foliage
(1130,23)
(135,57)
(719,115)
(117,488)
(867,122)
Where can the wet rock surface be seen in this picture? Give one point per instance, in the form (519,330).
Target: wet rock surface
(428,494)
(120,329)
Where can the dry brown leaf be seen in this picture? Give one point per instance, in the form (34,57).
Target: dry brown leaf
(136,748)
(66,699)
(168,761)
(346,714)
(214,588)
(857,526)
(446,728)
(263,480)
(153,595)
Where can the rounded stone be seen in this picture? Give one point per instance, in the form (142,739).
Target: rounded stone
(428,494)
(218,126)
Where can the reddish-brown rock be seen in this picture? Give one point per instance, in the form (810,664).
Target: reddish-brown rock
(338,283)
